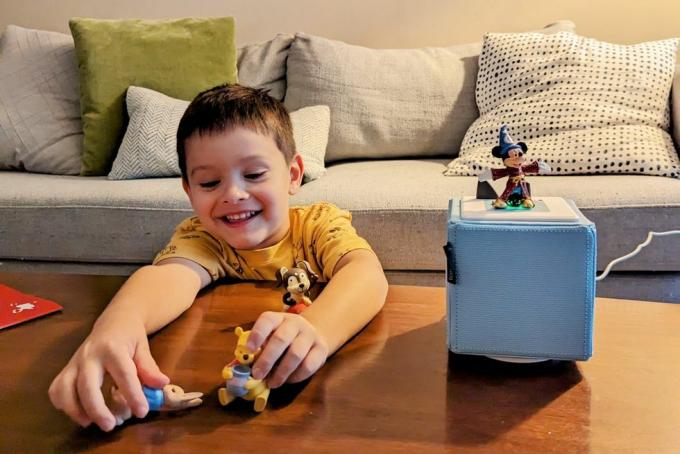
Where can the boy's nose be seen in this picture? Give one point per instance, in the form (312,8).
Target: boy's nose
(234,194)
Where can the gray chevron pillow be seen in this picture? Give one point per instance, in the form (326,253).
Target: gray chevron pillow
(149,150)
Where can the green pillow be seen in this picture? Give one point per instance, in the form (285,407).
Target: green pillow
(177,57)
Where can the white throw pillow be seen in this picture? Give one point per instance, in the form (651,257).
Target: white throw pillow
(675,106)
(388,103)
(40,127)
(583,106)
(149,147)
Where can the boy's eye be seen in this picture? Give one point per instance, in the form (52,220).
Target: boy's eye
(209,184)
(255,175)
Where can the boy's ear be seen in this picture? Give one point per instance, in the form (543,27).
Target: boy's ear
(186,188)
(297,171)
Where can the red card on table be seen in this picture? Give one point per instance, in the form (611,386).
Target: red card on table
(17,307)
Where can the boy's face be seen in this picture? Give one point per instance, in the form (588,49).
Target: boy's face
(238,185)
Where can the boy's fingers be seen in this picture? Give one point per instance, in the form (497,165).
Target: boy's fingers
(147,369)
(313,362)
(64,397)
(89,384)
(296,353)
(120,408)
(278,342)
(124,374)
(265,324)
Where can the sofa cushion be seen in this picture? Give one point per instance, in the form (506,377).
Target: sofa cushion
(149,147)
(400,207)
(388,102)
(263,65)
(179,57)
(310,132)
(581,105)
(40,128)
(38,68)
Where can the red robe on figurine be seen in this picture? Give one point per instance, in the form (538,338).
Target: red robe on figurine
(516,190)
(515,179)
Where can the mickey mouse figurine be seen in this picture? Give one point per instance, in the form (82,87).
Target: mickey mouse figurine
(298,281)
(517,192)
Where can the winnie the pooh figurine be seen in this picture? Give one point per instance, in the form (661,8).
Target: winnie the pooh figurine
(239,382)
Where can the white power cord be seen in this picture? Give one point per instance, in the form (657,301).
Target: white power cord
(634,253)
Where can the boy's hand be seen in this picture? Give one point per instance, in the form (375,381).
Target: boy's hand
(118,346)
(290,337)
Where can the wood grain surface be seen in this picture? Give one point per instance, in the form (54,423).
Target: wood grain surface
(394,387)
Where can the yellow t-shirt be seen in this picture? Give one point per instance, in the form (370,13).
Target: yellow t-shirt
(320,234)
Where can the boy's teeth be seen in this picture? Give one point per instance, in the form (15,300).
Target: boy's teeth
(241,216)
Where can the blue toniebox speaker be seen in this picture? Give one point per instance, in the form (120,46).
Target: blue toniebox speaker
(521,283)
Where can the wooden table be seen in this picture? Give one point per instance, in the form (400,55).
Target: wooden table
(393,387)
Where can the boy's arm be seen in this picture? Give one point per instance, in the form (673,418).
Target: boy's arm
(158,294)
(301,343)
(151,298)
(352,297)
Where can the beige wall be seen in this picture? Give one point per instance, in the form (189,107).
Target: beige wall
(376,23)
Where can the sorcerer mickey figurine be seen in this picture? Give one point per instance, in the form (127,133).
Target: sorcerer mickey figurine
(517,192)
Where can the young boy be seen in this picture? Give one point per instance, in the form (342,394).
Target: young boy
(239,165)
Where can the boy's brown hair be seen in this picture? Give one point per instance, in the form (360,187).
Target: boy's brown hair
(224,107)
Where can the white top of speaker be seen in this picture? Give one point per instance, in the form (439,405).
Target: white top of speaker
(547,209)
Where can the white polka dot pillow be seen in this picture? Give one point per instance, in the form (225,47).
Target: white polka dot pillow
(583,106)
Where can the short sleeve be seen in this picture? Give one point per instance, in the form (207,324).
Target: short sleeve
(192,242)
(333,236)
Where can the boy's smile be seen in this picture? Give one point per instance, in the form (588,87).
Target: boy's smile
(238,185)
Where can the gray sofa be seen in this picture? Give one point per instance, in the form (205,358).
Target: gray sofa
(399,204)
(93,225)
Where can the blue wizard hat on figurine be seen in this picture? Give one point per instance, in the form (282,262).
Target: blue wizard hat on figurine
(505,144)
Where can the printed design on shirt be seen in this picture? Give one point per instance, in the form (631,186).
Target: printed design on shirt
(317,259)
(321,209)
(236,264)
(189,236)
(191,226)
(334,233)
(299,251)
(237,268)
(168,250)
(312,248)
